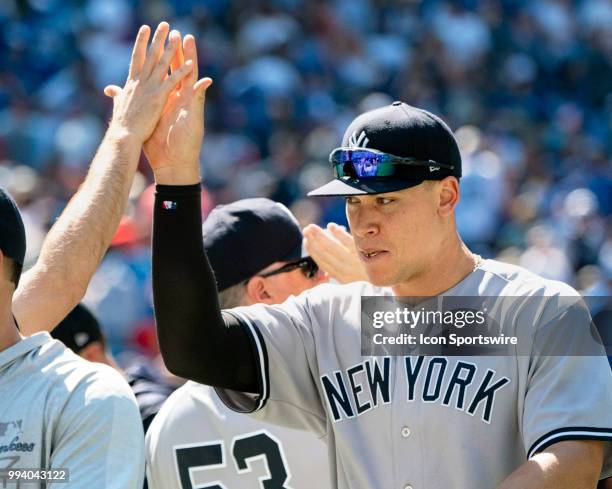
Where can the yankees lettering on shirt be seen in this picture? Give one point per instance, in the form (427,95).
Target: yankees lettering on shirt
(367,385)
(11,431)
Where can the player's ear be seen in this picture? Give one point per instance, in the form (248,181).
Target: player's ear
(257,291)
(94,352)
(448,196)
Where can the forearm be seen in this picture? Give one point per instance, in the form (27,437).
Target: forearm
(80,237)
(194,339)
(564,465)
(78,240)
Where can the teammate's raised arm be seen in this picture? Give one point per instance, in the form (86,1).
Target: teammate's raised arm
(195,341)
(78,240)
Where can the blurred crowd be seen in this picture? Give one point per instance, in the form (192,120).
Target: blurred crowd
(525,84)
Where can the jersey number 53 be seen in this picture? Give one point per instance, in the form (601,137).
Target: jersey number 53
(245,449)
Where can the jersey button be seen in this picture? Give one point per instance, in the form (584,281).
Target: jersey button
(406,433)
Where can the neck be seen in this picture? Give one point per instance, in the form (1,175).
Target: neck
(9,334)
(110,361)
(450,266)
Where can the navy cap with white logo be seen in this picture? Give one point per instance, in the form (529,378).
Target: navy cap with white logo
(78,329)
(246,236)
(391,148)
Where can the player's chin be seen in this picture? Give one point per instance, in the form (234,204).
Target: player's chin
(380,277)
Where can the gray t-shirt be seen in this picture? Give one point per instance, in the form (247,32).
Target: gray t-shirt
(58,411)
(426,422)
(196,441)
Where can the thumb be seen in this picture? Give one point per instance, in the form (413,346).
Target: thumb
(112,91)
(199,89)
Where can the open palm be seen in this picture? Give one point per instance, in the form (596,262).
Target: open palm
(177,138)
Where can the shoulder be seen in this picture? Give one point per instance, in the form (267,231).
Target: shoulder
(79,375)
(76,384)
(171,407)
(186,411)
(315,302)
(333,293)
(499,278)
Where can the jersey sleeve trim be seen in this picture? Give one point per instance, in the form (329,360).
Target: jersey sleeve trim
(569,433)
(258,345)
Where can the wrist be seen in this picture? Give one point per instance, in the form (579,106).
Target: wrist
(177,175)
(122,134)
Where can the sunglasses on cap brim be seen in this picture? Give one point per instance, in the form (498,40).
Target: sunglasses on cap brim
(371,163)
(307,265)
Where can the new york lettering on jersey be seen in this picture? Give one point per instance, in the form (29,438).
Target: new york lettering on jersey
(366,385)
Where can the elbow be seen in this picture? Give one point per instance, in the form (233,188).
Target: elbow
(183,366)
(189,372)
(72,285)
(176,368)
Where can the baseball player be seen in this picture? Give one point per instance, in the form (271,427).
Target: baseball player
(195,440)
(58,414)
(62,418)
(522,421)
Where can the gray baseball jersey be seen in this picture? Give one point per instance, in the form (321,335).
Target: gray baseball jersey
(424,422)
(58,411)
(196,441)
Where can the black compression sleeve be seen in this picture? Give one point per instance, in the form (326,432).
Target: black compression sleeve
(196,340)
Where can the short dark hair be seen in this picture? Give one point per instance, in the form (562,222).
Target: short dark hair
(13,270)
(16,270)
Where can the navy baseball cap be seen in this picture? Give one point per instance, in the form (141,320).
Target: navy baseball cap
(391,148)
(12,232)
(78,329)
(246,236)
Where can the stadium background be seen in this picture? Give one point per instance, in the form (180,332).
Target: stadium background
(526,85)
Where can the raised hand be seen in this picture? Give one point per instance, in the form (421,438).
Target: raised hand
(80,237)
(334,252)
(173,150)
(138,106)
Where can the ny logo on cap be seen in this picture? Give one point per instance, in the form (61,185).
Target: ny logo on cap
(81,338)
(433,168)
(358,142)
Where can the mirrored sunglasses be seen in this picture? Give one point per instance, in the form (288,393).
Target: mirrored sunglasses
(371,163)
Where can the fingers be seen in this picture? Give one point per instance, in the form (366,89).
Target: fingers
(175,78)
(339,232)
(313,252)
(139,52)
(160,71)
(190,50)
(156,49)
(325,248)
(201,86)
(178,59)
(339,261)
(112,91)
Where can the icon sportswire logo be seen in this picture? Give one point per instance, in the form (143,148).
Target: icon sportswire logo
(358,142)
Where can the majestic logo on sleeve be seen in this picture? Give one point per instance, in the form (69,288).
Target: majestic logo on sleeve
(358,142)
(367,385)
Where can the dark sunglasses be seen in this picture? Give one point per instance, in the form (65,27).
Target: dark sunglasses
(307,265)
(365,163)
